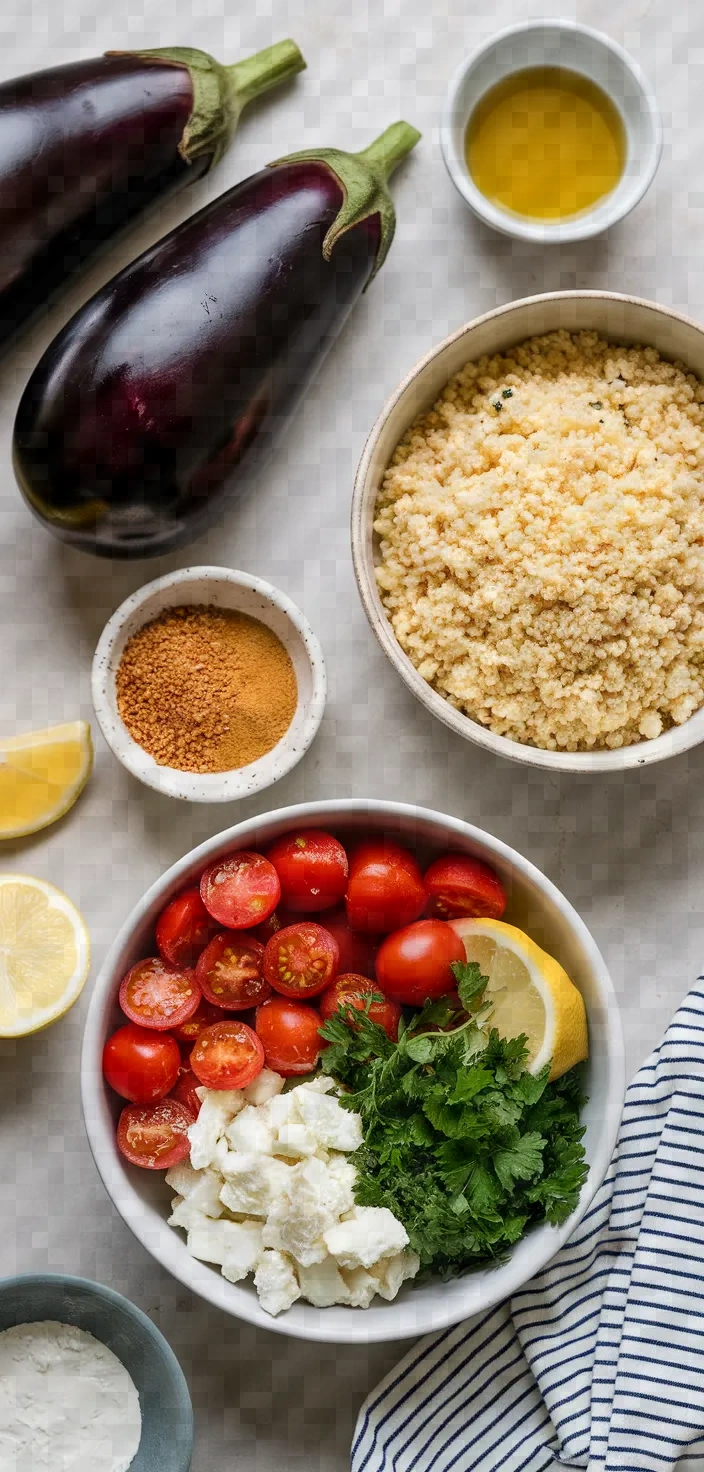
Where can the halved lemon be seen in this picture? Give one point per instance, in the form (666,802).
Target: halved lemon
(530,993)
(41,775)
(44,954)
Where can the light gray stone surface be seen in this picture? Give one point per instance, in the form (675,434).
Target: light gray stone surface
(627,850)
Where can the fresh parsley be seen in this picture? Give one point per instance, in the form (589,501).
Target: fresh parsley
(465,1146)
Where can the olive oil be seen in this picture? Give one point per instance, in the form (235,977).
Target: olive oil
(545,143)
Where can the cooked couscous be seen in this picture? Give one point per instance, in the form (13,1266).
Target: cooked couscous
(542,543)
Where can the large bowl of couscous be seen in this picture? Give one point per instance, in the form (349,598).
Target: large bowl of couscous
(528,531)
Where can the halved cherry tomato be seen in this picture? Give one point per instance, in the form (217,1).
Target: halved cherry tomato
(184,1090)
(357,951)
(301,960)
(204,1016)
(463,888)
(312,869)
(155,1135)
(140,1064)
(229,972)
(353,991)
(228,1055)
(240,891)
(183,928)
(385,888)
(157,995)
(413,964)
(290,1034)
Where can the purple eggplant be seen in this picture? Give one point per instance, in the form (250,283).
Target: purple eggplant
(84,148)
(177,375)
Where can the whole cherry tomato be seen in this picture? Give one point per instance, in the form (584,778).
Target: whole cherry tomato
(183,928)
(385,888)
(240,891)
(463,888)
(290,1035)
(141,1065)
(357,951)
(414,964)
(312,869)
(353,991)
(184,1090)
(301,960)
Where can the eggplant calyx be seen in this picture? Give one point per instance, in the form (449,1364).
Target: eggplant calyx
(363,178)
(221,92)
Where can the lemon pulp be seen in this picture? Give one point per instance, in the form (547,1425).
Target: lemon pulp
(44,954)
(41,775)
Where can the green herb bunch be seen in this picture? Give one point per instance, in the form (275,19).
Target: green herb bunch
(465,1146)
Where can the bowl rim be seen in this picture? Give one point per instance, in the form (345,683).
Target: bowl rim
(580,227)
(671,743)
(229,786)
(203,1281)
(114,1299)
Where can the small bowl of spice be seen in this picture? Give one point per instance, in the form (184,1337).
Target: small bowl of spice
(551,132)
(208,684)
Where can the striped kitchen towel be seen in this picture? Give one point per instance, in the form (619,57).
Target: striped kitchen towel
(599,1362)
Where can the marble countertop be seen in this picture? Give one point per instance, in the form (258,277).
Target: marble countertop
(628,850)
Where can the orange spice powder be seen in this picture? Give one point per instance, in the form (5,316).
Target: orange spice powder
(206,689)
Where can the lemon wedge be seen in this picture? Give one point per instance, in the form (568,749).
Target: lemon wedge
(530,993)
(44,954)
(41,775)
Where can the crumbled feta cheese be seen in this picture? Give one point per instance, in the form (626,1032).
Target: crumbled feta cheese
(276,1283)
(322,1284)
(371,1233)
(295,1140)
(331,1125)
(248,1131)
(282,1110)
(265,1087)
(360,1286)
(218,1107)
(392,1272)
(342,1176)
(321,1084)
(183,1178)
(253,1183)
(243,1251)
(296,1222)
(204,1197)
(215,1241)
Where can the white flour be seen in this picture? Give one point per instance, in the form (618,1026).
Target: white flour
(66,1402)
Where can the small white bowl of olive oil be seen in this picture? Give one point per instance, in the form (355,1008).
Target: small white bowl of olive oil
(551,132)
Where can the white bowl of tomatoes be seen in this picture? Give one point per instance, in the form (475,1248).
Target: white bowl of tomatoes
(237,955)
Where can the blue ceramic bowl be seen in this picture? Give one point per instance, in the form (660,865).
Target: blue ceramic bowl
(167,1416)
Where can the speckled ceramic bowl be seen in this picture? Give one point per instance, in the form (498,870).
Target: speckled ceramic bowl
(223,588)
(167,1417)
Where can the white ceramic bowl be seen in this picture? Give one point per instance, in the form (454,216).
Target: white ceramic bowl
(535,904)
(223,588)
(580,49)
(621,318)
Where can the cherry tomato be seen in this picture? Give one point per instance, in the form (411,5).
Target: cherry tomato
(157,995)
(229,972)
(139,1064)
(289,1033)
(228,1055)
(312,869)
(155,1135)
(184,1090)
(385,887)
(276,921)
(413,964)
(463,888)
(352,991)
(240,891)
(357,951)
(183,928)
(301,960)
(204,1016)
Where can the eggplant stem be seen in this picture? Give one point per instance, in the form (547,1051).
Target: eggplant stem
(388,150)
(267,68)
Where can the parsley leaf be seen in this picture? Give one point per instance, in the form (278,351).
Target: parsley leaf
(466,1147)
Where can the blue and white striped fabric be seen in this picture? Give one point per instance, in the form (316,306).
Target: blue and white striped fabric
(599,1362)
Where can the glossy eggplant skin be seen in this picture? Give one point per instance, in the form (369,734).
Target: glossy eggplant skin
(178,374)
(83,149)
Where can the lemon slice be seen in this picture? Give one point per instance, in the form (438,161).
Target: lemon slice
(530,993)
(44,954)
(41,775)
